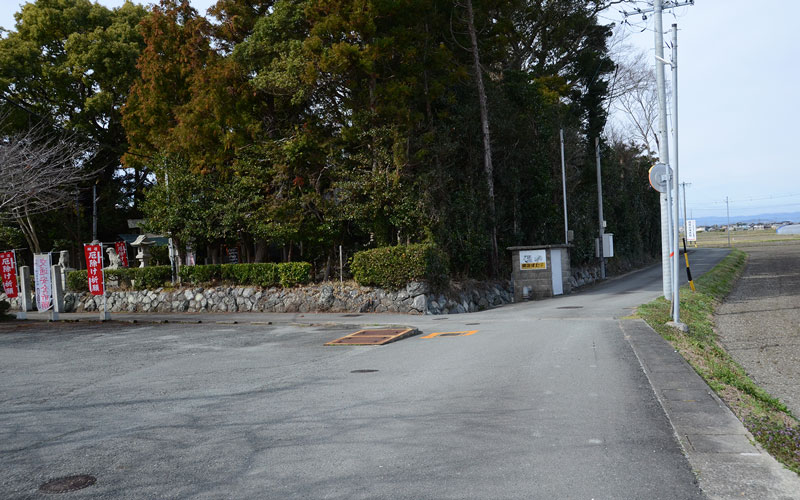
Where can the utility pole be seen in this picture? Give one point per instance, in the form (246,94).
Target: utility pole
(669,273)
(564,188)
(728,227)
(675,177)
(663,150)
(600,209)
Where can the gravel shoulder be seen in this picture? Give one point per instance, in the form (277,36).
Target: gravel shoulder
(759,322)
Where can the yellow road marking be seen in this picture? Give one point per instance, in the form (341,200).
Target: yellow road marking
(459,334)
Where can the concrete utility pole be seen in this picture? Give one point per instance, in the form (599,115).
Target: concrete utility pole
(667,266)
(663,149)
(675,184)
(728,227)
(600,209)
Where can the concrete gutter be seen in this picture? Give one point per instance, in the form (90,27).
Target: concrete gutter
(727,461)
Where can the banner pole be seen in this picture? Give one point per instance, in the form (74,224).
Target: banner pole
(53,298)
(104,316)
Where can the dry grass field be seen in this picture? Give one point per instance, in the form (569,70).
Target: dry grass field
(743,238)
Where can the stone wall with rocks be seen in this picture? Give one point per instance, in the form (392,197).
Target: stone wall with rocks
(415,298)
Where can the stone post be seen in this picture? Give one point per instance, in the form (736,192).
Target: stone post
(58,292)
(25,302)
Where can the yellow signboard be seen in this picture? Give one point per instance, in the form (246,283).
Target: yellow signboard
(533,265)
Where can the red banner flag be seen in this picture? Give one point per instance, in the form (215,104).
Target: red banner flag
(122,252)
(94,267)
(8,266)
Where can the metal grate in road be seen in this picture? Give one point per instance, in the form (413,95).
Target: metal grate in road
(380,336)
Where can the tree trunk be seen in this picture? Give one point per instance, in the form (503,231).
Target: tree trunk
(261,250)
(26,225)
(487,143)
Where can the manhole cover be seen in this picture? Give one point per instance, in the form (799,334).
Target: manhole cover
(570,307)
(379,336)
(350,315)
(439,319)
(69,483)
(470,324)
(363,371)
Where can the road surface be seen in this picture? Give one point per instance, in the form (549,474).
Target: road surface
(546,399)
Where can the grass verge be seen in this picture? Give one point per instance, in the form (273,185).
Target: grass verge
(770,422)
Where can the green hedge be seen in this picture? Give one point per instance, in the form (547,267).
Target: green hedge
(394,267)
(286,274)
(143,277)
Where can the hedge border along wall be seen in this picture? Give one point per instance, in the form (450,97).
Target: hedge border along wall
(286,274)
(394,267)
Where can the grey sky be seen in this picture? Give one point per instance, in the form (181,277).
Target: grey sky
(739,105)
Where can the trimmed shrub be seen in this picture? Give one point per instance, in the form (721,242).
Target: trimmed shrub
(143,277)
(294,273)
(78,281)
(200,274)
(286,274)
(266,275)
(394,267)
(151,277)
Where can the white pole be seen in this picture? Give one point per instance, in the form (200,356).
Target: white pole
(564,189)
(663,148)
(670,177)
(728,210)
(675,180)
(341,267)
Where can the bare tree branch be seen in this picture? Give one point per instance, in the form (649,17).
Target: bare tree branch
(39,172)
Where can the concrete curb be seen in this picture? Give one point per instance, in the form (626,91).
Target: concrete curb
(719,448)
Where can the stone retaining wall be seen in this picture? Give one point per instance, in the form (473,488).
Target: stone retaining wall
(415,298)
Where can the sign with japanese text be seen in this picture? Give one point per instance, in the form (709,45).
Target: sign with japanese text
(122,252)
(8,266)
(94,267)
(691,230)
(232,255)
(43,281)
(532,259)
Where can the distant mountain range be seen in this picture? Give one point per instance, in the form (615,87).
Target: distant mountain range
(747,219)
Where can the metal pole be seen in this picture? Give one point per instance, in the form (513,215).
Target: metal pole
(685,212)
(564,189)
(728,208)
(675,179)
(663,147)
(600,209)
(341,267)
(670,235)
(94,212)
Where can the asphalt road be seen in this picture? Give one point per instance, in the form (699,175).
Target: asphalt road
(546,400)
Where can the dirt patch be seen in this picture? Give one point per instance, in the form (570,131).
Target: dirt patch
(759,322)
